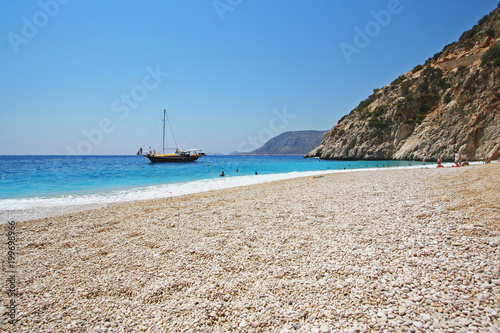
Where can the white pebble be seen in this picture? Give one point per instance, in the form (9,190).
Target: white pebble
(418,324)
(425,317)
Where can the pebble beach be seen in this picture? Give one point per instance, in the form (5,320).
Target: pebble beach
(414,250)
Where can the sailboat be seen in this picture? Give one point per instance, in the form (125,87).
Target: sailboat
(187,155)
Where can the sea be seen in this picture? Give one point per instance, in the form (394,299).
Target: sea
(33,187)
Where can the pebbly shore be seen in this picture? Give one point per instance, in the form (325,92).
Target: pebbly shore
(384,250)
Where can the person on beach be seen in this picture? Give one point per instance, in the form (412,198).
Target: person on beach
(439,165)
(457,159)
(222,174)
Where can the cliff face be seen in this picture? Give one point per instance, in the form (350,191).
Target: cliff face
(290,143)
(451,103)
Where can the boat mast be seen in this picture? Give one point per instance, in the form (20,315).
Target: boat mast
(164,113)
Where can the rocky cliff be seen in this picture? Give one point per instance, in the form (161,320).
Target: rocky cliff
(290,143)
(451,103)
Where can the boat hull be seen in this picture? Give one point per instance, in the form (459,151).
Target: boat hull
(177,158)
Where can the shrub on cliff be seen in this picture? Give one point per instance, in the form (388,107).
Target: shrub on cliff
(405,89)
(368,101)
(342,119)
(442,83)
(492,57)
(379,123)
(417,68)
(398,81)
(364,114)
(483,20)
(379,110)
(469,34)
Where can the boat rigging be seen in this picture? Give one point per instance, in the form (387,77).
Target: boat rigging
(186,155)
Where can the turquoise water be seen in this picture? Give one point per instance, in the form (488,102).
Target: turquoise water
(42,186)
(41,176)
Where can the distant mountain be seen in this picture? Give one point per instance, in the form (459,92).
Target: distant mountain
(290,143)
(449,104)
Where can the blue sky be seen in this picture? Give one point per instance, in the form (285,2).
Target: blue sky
(93,77)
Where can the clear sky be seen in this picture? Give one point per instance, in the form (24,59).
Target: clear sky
(95,76)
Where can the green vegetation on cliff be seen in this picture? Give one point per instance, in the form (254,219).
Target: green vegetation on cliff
(448,104)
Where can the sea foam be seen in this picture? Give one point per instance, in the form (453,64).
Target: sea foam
(22,209)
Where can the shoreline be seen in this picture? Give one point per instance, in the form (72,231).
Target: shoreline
(368,251)
(32,208)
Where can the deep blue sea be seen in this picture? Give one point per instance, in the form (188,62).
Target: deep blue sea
(37,186)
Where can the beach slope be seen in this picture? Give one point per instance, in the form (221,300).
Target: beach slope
(374,250)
